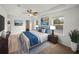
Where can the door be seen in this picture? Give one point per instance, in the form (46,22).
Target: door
(27,24)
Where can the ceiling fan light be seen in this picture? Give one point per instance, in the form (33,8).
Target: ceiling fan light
(30,15)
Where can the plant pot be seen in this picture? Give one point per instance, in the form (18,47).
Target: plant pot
(74,46)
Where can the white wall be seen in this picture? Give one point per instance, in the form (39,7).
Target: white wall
(71,21)
(19,29)
(3,13)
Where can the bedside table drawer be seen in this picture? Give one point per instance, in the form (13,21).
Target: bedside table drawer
(52,38)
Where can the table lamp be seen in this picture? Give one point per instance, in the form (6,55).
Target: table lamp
(52,28)
(36,26)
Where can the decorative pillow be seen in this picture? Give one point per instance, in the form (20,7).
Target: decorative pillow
(37,28)
(43,30)
(46,31)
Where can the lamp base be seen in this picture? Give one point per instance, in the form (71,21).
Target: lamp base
(52,32)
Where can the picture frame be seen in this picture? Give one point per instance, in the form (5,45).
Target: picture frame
(18,22)
(45,21)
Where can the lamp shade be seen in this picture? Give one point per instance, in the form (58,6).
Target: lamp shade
(52,27)
(36,26)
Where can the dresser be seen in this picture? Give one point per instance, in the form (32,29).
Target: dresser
(3,46)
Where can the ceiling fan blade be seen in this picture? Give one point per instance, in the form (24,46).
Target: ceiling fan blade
(30,10)
(35,13)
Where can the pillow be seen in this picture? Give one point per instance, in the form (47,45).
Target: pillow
(37,28)
(43,30)
(46,31)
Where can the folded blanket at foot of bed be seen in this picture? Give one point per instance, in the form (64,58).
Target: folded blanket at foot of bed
(32,38)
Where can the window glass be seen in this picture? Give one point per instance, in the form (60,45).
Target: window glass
(58,22)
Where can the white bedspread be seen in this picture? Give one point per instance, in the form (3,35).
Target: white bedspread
(19,43)
(42,36)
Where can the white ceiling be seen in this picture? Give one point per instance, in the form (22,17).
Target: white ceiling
(11,9)
(20,9)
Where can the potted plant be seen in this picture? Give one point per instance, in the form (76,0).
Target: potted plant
(74,35)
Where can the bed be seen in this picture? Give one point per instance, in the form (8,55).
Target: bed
(21,44)
(42,37)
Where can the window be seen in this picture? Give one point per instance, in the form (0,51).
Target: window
(58,22)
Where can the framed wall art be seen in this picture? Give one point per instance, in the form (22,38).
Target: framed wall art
(18,22)
(45,21)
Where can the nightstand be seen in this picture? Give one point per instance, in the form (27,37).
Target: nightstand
(53,38)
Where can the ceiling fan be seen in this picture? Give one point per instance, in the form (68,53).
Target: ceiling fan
(31,12)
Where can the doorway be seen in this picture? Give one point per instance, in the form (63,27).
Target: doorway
(27,25)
